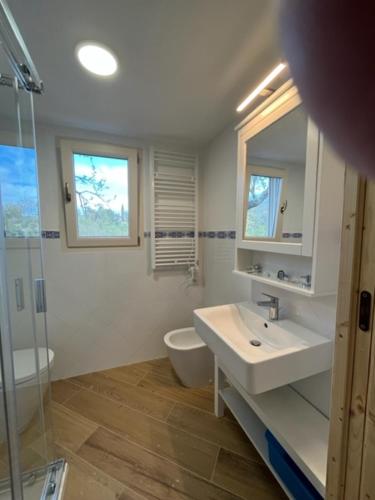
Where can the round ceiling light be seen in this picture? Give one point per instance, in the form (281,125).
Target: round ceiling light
(96,58)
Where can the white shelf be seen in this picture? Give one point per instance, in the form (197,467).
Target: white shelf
(308,292)
(300,429)
(252,426)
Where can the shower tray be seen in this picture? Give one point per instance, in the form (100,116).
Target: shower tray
(40,484)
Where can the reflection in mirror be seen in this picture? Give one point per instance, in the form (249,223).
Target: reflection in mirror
(275,182)
(263,202)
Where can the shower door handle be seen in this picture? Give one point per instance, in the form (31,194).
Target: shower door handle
(20,297)
(40,295)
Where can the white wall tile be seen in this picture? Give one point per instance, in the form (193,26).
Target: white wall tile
(105,307)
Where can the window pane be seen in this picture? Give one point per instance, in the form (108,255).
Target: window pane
(101,186)
(263,206)
(19,194)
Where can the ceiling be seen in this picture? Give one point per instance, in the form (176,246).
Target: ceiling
(184,64)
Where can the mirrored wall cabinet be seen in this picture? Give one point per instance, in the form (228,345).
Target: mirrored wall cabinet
(289,198)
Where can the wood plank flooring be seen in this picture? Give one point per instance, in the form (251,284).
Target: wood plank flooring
(135,433)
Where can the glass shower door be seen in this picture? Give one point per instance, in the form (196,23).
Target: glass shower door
(25,437)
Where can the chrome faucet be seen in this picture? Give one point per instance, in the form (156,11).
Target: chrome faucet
(273,306)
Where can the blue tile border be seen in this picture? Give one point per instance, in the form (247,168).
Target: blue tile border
(51,235)
(292,235)
(172,234)
(221,235)
(231,235)
(54,235)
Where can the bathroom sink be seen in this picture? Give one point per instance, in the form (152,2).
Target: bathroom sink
(260,354)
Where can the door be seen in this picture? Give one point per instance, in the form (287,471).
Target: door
(25,437)
(351,458)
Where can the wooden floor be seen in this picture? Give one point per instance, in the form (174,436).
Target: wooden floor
(135,433)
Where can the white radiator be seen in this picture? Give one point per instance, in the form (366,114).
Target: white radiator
(174,209)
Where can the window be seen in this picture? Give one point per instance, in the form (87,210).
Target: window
(264,202)
(101,194)
(19,191)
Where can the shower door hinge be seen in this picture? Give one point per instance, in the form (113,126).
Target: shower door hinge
(40,296)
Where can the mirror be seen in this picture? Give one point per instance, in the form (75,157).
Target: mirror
(275,180)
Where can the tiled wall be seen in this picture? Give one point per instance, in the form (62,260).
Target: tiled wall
(105,306)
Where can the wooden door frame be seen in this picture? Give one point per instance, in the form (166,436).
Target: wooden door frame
(351,453)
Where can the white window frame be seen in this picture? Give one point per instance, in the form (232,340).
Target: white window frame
(68,147)
(272,172)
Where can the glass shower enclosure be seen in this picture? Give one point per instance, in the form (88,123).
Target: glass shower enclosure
(28,469)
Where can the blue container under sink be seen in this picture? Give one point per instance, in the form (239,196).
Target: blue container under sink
(290,474)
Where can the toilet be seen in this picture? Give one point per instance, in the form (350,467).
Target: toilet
(191,359)
(26,384)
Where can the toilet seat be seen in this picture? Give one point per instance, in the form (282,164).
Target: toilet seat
(24,361)
(183,339)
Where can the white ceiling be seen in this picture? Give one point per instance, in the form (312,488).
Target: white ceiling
(184,64)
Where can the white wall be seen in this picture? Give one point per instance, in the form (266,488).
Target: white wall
(219,165)
(217,208)
(105,307)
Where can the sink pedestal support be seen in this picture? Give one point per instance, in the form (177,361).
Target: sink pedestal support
(219,385)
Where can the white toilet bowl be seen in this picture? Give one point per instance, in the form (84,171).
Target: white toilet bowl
(192,360)
(26,384)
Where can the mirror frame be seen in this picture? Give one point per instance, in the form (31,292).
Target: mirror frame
(275,107)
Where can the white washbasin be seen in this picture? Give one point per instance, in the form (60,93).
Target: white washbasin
(287,351)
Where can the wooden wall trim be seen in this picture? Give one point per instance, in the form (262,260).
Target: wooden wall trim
(359,372)
(367,486)
(345,340)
